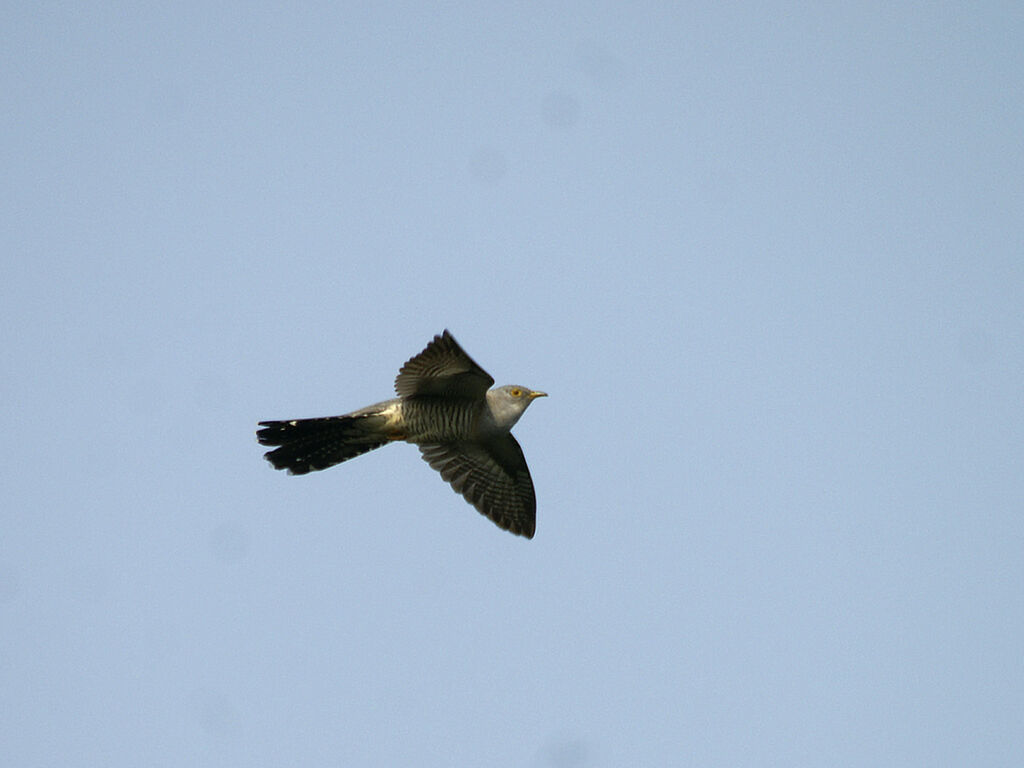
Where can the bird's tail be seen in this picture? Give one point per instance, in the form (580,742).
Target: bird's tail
(307,445)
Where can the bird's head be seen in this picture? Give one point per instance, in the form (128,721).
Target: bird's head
(510,401)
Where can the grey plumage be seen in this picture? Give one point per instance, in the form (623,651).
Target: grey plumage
(444,406)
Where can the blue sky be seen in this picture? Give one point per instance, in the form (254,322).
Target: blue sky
(767,259)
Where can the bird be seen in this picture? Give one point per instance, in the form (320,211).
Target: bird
(446,406)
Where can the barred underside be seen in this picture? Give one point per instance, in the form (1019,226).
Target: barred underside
(441,420)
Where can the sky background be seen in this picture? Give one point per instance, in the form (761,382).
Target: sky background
(767,259)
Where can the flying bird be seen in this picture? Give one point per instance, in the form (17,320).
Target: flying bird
(447,408)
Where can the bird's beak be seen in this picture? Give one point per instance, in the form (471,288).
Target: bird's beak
(534,393)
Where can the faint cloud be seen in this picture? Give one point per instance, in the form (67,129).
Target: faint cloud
(565,753)
(161,637)
(215,714)
(212,391)
(9,586)
(90,584)
(229,542)
(976,346)
(163,102)
(488,164)
(602,68)
(560,110)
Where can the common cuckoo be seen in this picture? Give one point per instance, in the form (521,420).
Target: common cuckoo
(445,407)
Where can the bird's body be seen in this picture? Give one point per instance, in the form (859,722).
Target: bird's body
(445,408)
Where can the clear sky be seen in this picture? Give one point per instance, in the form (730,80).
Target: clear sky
(767,259)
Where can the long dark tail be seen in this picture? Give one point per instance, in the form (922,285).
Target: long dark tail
(307,445)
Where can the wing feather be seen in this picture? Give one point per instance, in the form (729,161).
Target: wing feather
(443,369)
(491,476)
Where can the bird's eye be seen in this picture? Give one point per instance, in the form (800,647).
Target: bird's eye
(516,393)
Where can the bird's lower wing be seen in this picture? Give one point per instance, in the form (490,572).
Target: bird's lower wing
(492,476)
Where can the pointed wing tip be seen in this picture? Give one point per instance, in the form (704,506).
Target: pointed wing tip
(516,527)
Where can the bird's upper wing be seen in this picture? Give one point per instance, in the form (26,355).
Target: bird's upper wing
(443,369)
(492,476)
